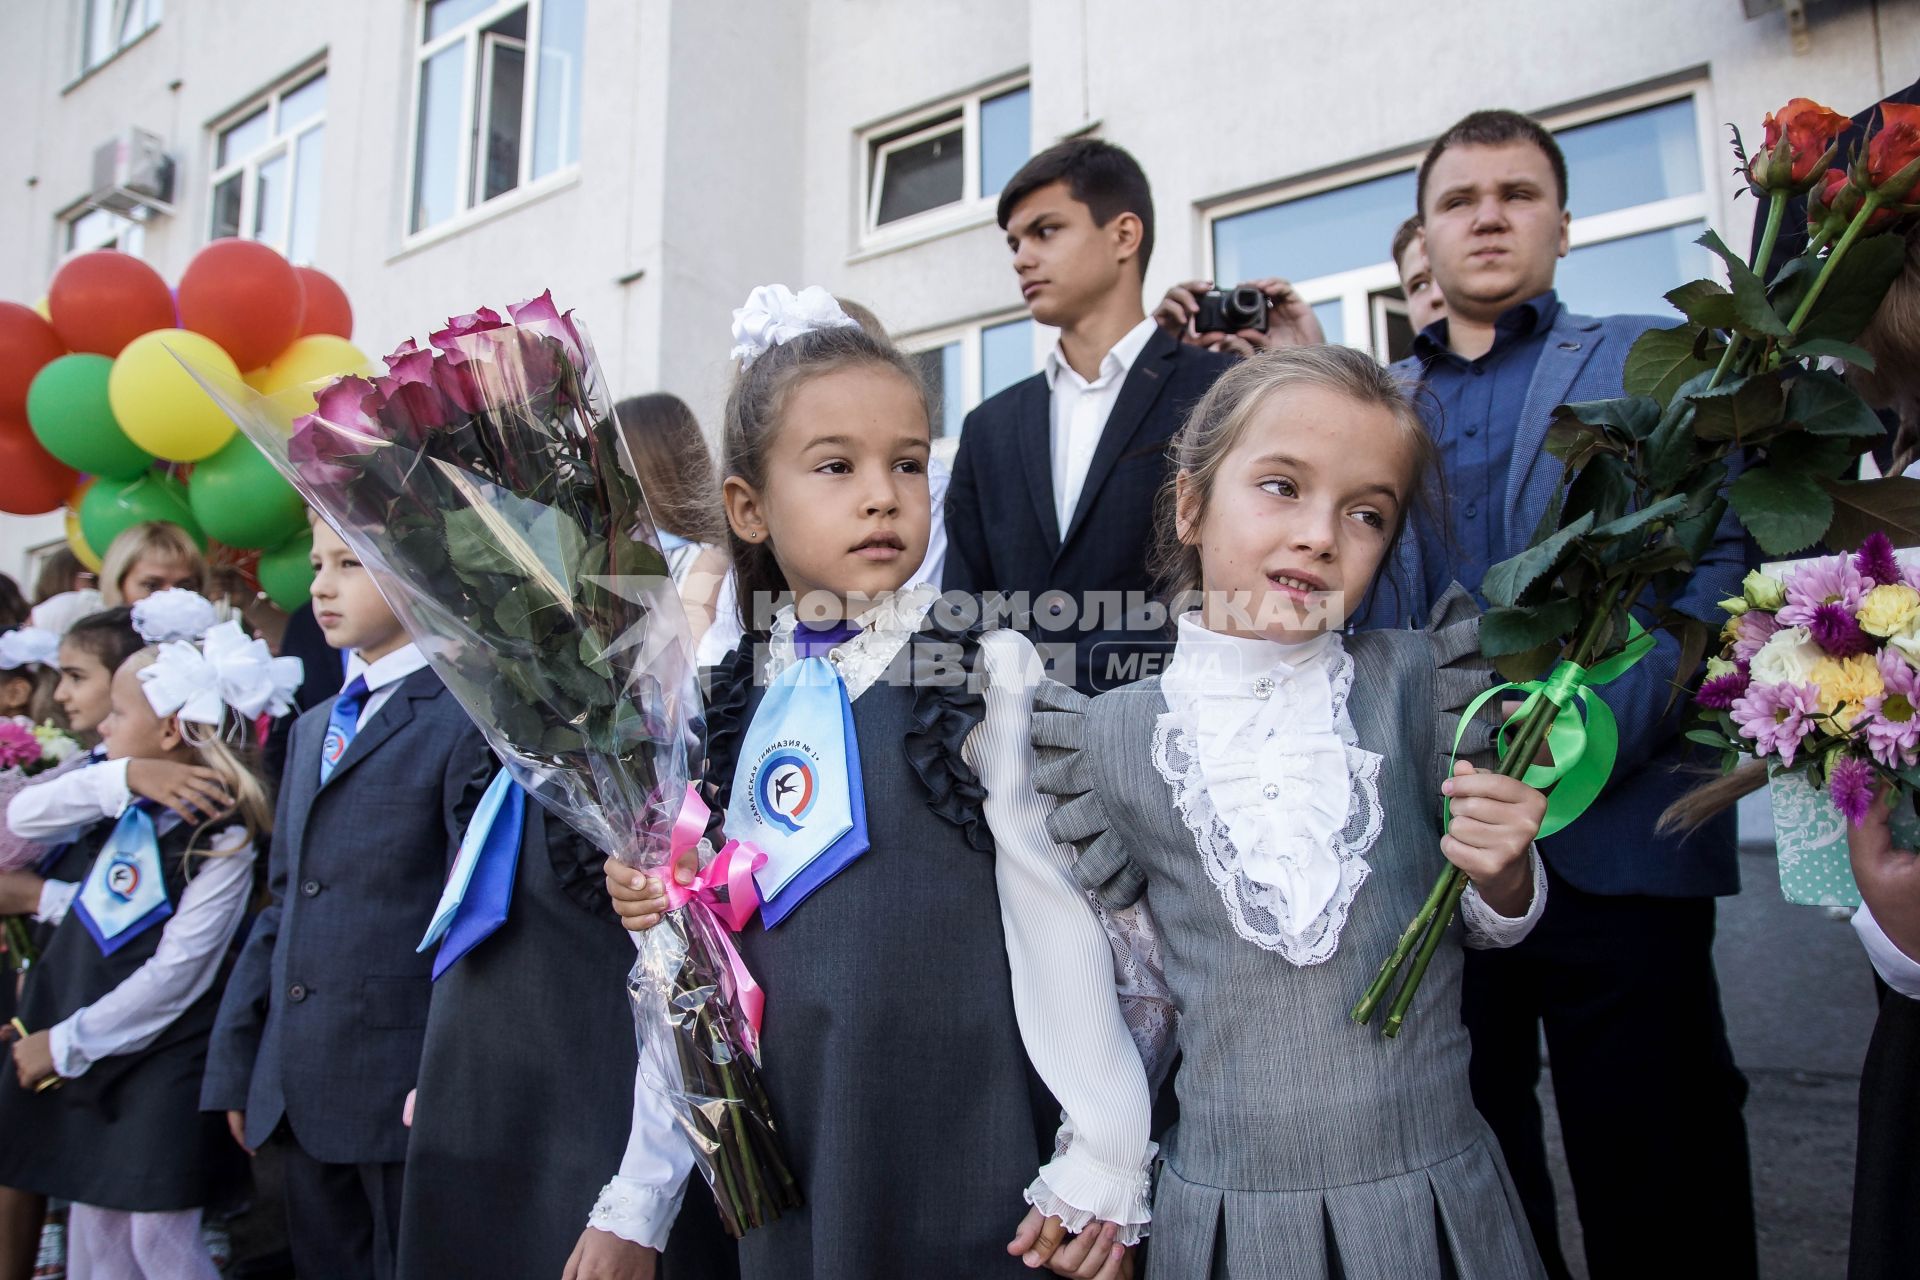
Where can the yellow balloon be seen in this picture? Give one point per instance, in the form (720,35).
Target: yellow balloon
(308,364)
(46,313)
(77,541)
(159,404)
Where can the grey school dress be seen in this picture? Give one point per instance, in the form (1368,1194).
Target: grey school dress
(1306,1146)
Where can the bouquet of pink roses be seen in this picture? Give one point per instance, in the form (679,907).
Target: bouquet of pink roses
(1817,674)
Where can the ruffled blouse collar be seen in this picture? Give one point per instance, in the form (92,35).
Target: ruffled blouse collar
(885,628)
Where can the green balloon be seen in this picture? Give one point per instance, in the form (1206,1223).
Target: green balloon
(68,410)
(113,506)
(286,572)
(239,499)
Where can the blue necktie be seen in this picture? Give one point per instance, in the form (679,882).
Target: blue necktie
(342,723)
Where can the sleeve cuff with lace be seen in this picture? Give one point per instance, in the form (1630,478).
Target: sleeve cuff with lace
(1487,929)
(637,1212)
(1080,1191)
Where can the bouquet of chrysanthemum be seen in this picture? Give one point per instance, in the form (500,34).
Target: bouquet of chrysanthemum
(34,748)
(486,483)
(1817,675)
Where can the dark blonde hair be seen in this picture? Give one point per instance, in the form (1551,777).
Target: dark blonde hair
(759,395)
(674,467)
(1220,419)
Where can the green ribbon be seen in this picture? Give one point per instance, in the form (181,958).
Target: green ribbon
(1584,744)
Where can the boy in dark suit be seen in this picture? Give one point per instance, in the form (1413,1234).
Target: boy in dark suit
(1054,483)
(319,1036)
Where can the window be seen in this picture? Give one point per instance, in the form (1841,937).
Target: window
(108,26)
(95,228)
(951,159)
(496,101)
(962,367)
(1638,197)
(267,169)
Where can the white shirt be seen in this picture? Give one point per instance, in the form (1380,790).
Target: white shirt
(1896,968)
(382,677)
(61,808)
(1080,413)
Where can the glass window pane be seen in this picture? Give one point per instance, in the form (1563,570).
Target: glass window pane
(303,104)
(437,138)
(497,168)
(1632,159)
(1315,235)
(243,139)
(1631,276)
(444,15)
(1005,138)
(922,176)
(1006,355)
(946,390)
(270,201)
(98,44)
(226,207)
(556,112)
(308,173)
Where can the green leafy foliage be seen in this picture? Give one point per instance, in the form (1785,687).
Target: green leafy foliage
(1784,508)
(1662,360)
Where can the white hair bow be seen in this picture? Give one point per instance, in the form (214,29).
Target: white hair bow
(174,614)
(775,314)
(58,613)
(226,669)
(28,646)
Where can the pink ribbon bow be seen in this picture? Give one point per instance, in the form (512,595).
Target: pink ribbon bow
(731,870)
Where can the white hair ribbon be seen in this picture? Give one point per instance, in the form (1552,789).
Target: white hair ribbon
(775,314)
(226,669)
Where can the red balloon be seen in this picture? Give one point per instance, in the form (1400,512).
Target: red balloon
(27,345)
(103,300)
(32,481)
(327,309)
(245,297)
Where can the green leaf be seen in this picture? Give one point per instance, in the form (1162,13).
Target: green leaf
(1513,631)
(1890,505)
(1662,359)
(1670,555)
(1784,508)
(1855,356)
(1507,581)
(1756,315)
(1669,450)
(1740,410)
(1603,488)
(1709,738)
(1853,292)
(1665,509)
(1705,303)
(1627,417)
(1824,405)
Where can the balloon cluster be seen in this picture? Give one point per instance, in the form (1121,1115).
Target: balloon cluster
(100,413)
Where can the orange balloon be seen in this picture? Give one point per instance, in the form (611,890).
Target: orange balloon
(327,308)
(27,345)
(103,300)
(32,481)
(245,297)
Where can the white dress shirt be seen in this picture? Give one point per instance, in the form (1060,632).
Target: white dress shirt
(382,677)
(1896,968)
(1080,413)
(60,808)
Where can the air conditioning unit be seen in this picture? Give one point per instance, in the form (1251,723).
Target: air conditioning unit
(133,174)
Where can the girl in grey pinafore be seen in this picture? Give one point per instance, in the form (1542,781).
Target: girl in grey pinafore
(1306,1146)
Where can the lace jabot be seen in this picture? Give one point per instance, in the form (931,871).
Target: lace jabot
(1268,774)
(885,629)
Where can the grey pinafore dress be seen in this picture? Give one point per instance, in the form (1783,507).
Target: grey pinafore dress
(1307,1146)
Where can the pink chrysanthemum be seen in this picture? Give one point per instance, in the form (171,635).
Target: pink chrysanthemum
(1777,717)
(1850,784)
(1875,561)
(18,746)
(1718,694)
(1834,629)
(1832,580)
(1892,719)
(1753,629)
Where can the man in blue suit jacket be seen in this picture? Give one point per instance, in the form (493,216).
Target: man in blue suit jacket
(1620,969)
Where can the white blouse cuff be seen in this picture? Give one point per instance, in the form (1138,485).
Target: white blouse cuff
(637,1212)
(1080,1191)
(1487,929)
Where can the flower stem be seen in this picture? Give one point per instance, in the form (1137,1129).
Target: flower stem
(1868,207)
(1776,212)
(1456,884)
(1409,937)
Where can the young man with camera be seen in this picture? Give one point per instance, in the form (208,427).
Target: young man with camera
(1054,482)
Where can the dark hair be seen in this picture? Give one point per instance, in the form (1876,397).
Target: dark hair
(107,635)
(862,315)
(671,460)
(57,574)
(1408,232)
(1495,129)
(13,605)
(1099,175)
(760,391)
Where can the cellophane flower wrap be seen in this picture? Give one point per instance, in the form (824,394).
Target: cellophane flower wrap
(1819,673)
(485,482)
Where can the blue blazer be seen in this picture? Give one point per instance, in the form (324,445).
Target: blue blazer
(1612,849)
(326,1012)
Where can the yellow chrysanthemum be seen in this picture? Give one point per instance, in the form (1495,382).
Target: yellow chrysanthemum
(1888,610)
(1849,682)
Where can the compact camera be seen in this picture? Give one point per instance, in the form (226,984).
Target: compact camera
(1231,310)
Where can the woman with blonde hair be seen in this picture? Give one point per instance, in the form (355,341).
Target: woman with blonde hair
(148,557)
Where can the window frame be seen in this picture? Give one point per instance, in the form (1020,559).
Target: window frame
(970,335)
(153,10)
(919,125)
(1354,288)
(472,33)
(70,218)
(278,145)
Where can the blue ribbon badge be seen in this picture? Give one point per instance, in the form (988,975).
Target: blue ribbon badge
(125,893)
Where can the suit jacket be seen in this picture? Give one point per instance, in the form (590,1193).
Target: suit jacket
(1612,849)
(1003,534)
(325,1014)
